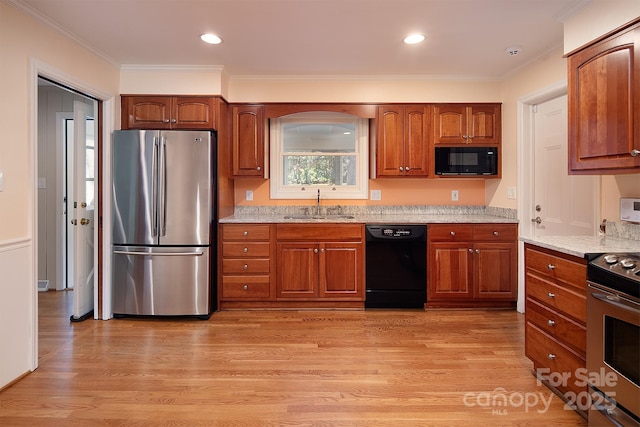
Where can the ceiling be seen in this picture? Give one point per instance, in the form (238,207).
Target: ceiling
(465,38)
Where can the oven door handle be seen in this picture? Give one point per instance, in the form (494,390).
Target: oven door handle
(616,301)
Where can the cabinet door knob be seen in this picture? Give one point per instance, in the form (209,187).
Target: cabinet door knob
(453,233)
(245,233)
(258,168)
(173,120)
(401,169)
(245,250)
(470,250)
(245,287)
(245,267)
(315,251)
(551,356)
(464,136)
(551,295)
(166,120)
(407,168)
(495,233)
(635,152)
(477,251)
(551,322)
(551,267)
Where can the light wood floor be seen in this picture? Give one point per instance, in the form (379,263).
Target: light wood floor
(282,368)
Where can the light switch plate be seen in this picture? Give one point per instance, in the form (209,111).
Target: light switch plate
(376,194)
(511,192)
(454,195)
(249,195)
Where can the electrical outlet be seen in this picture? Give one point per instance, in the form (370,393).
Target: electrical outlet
(376,194)
(249,195)
(511,192)
(454,195)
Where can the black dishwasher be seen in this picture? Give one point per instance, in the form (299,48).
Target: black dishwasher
(396,266)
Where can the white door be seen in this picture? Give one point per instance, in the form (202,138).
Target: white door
(83,209)
(564,205)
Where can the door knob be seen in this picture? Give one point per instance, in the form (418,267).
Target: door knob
(85,221)
(537,220)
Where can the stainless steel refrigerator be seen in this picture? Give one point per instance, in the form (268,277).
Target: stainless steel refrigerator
(163,223)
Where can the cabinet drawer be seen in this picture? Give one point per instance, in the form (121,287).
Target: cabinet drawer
(245,287)
(248,265)
(245,249)
(572,333)
(495,232)
(561,299)
(546,352)
(557,269)
(245,232)
(450,232)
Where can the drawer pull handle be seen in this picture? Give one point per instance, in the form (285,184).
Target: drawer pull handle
(551,322)
(245,267)
(551,295)
(245,233)
(495,233)
(551,356)
(245,250)
(551,267)
(453,233)
(245,287)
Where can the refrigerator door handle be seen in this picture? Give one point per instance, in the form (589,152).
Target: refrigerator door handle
(163,188)
(194,253)
(154,187)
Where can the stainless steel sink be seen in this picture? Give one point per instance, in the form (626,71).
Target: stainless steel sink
(327,217)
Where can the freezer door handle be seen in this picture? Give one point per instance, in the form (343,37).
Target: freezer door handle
(195,253)
(163,188)
(154,187)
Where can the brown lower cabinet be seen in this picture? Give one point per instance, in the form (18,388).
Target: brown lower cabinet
(555,319)
(472,265)
(292,266)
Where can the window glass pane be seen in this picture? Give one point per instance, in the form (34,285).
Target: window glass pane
(319,137)
(319,170)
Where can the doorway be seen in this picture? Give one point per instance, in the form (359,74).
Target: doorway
(550,104)
(66,121)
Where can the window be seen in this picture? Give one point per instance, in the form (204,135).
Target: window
(319,151)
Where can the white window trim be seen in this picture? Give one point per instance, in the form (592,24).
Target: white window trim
(340,192)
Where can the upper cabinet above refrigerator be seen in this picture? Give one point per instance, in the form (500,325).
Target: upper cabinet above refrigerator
(169,112)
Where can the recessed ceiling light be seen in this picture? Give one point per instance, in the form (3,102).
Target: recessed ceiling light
(414,38)
(211,38)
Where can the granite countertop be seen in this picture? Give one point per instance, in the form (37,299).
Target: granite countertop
(368,219)
(582,245)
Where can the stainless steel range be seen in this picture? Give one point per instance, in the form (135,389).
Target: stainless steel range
(613,339)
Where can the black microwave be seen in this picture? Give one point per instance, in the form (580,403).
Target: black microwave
(467,161)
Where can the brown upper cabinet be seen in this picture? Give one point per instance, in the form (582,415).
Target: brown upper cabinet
(403,140)
(604,104)
(478,124)
(168,112)
(248,140)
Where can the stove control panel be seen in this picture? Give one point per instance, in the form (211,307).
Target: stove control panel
(620,264)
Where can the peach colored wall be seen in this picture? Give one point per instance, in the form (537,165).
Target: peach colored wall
(23,39)
(400,191)
(546,71)
(187,80)
(598,18)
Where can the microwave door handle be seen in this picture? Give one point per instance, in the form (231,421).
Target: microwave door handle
(615,301)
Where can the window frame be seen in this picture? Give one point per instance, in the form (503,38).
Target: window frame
(279,190)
